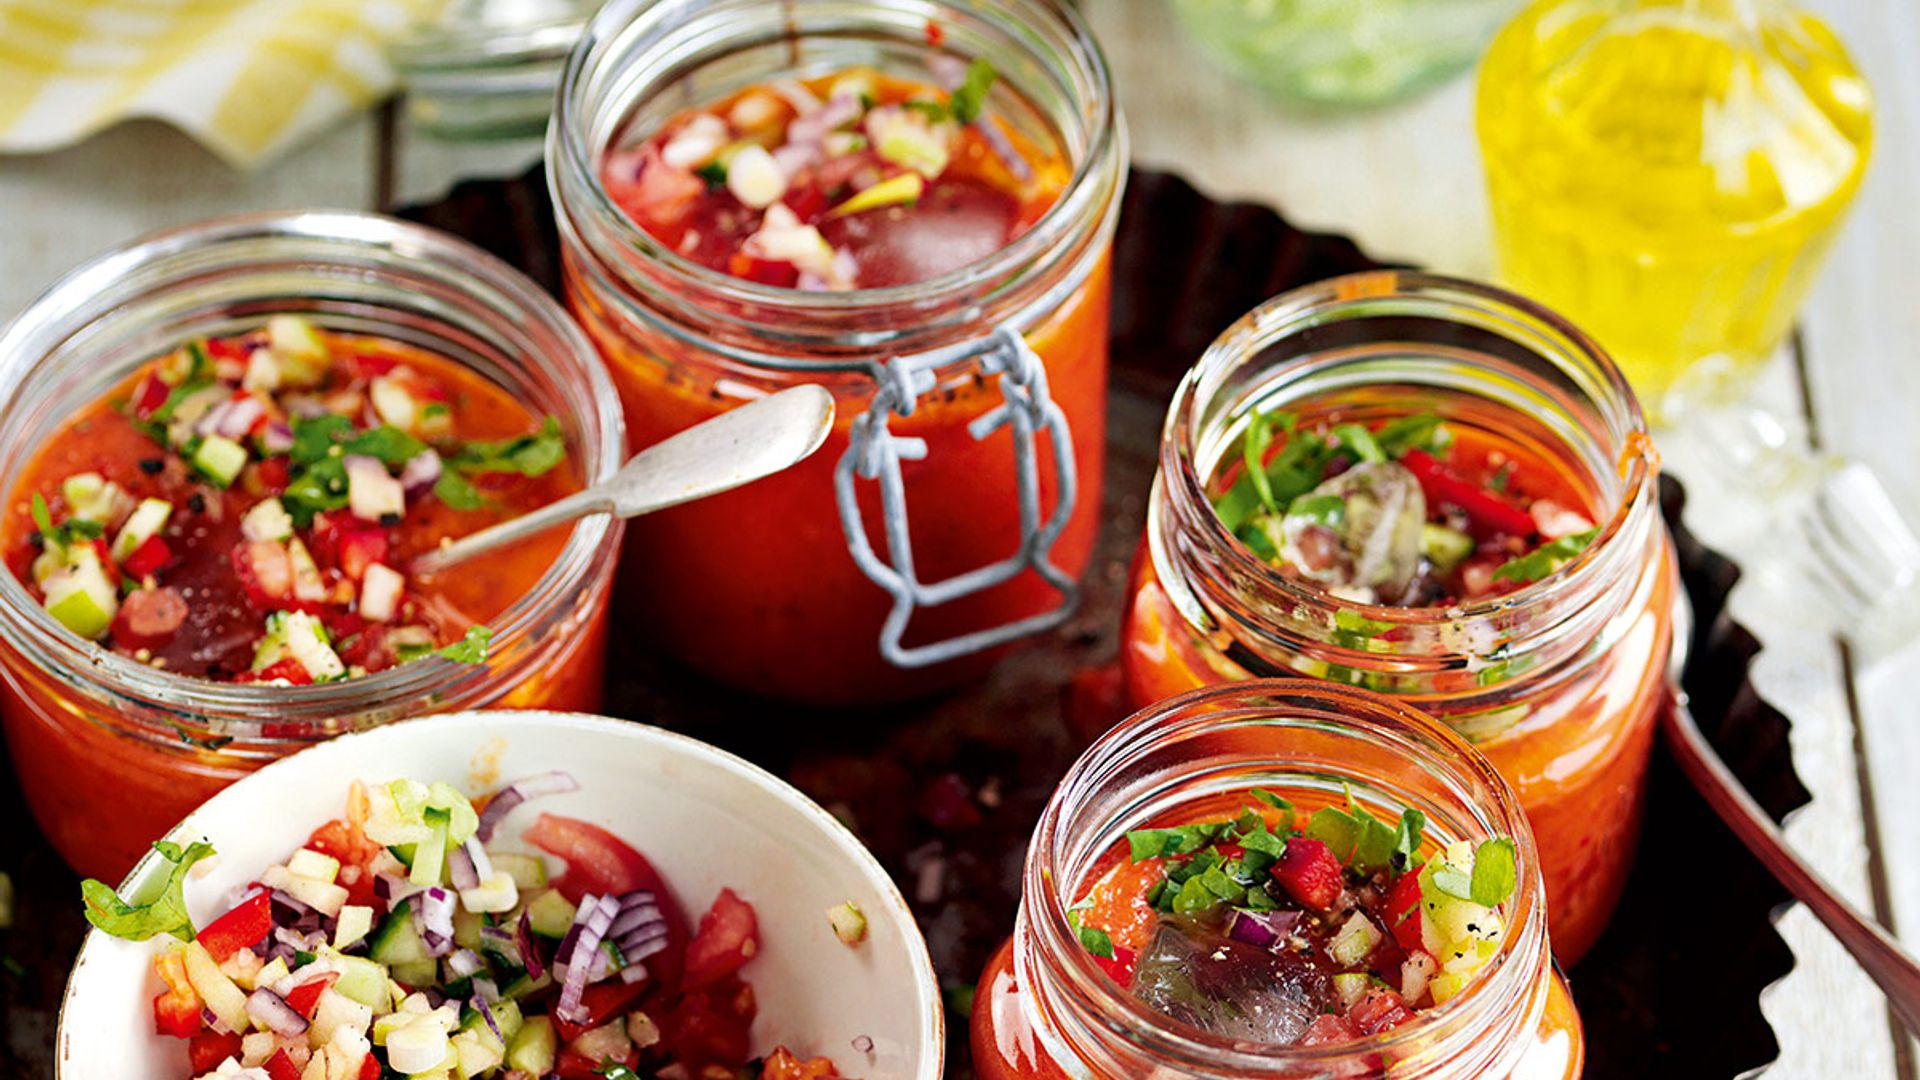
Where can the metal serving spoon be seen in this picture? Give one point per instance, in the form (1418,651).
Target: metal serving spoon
(1875,950)
(737,447)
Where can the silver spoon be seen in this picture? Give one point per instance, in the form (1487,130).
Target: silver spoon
(737,447)
(1875,950)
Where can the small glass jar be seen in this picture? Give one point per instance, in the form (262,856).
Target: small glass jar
(941,519)
(110,752)
(1044,1009)
(1558,682)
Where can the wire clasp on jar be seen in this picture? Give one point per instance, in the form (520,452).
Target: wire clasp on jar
(875,452)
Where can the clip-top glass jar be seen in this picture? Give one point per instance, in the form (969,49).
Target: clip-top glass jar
(111,752)
(1045,1009)
(942,518)
(1558,681)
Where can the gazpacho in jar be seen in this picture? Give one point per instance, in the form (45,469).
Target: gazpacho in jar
(1435,490)
(1270,913)
(915,215)
(224,447)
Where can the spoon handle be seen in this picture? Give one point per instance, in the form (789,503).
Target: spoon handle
(558,512)
(1871,946)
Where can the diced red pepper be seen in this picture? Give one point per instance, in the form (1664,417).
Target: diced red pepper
(209,1048)
(710,1026)
(371,365)
(281,1067)
(1309,872)
(240,928)
(148,396)
(177,1011)
(361,549)
(227,349)
(369,1068)
(728,937)
(806,201)
(1403,911)
(1487,514)
(305,998)
(1119,967)
(765,271)
(149,558)
(106,560)
(288,668)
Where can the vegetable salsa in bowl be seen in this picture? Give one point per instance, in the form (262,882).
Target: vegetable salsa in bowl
(566,923)
(224,445)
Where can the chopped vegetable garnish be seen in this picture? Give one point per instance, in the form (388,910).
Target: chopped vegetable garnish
(164,913)
(849,923)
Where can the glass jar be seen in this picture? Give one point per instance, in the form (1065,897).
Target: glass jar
(953,471)
(110,752)
(1558,682)
(1344,52)
(1045,1009)
(1671,175)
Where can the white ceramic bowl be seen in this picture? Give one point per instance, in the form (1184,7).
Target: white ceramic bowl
(706,819)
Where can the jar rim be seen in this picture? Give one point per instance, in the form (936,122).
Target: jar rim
(571,159)
(63,309)
(1637,462)
(1362,712)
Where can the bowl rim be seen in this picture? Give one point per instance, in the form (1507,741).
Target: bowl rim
(932,1064)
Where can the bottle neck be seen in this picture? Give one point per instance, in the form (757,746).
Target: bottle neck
(1393,344)
(1299,738)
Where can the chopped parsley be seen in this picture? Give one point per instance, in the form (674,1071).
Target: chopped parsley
(67,533)
(1545,559)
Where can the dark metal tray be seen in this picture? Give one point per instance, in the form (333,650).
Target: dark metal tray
(946,791)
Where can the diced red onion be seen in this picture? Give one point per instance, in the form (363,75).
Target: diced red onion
(813,127)
(501,940)
(277,438)
(529,949)
(579,961)
(804,101)
(462,963)
(372,492)
(433,916)
(486,1013)
(1002,148)
(643,943)
(633,973)
(460,869)
(484,989)
(212,1020)
(394,889)
(297,941)
(948,71)
(793,157)
(502,804)
(241,417)
(602,964)
(637,907)
(863,1044)
(272,1010)
(422,471)
(1262,929)
(482,863)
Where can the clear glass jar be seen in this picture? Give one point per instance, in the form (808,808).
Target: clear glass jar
(1344,52)
(1558,682)
(1044,1009)
(766,590)
(110,752)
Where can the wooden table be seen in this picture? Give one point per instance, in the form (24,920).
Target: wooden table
(1405,183)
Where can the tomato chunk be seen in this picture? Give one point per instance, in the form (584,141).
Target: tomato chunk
(1309,872)
(784,1064)
(1403,910)
(208,1049)
(728,937)
(249,921)
(1378,1010)
(601,863)
(281,1067)
(603,1001)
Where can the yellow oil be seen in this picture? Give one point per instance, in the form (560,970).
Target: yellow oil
(1670,176)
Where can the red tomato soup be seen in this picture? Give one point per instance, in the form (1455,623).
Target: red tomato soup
(1298,927)
(1431,543)
(810,227)
(212,557)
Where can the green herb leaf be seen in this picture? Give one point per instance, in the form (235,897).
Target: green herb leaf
(67,533)
(1546,558)
(1327,510)
(1147,844)
(1336,829)
(1217,881)
(458,492)
(1253,458)
(314,437)
(392,446)
(42,517)
(1501,478)
(470,649)
(969,99)
(165,913)
(714,173)
(613,1070)
(1194,897)
(1359,442)
(1097,942)
(1254,534)
(1271,799)
(1421,431)
(1258,899)
(1406,838)
(1453,881)
(320,487)
(528,455)
(1494,872)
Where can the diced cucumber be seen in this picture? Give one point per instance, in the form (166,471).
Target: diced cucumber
(354,923)
(430,855)
(308,863)
(364,981)
(462,821)
(307,641)
(466,928)
(397,940)
(80,595)
(336,1011)
(478,1052)
(302,352)
(1354,941)
(142,525)
(220,459)
(1351,987)
(417,973)
(1445,548)
(268,521)
(91,497)
(226,1000)
(505,1013)
(307,583)
(524,987)
(534,1047)
(529,872)
(550,914)
(495,895)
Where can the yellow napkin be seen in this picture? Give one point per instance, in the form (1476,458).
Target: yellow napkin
(248,78)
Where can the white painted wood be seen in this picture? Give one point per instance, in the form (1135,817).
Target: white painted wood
(58,209)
